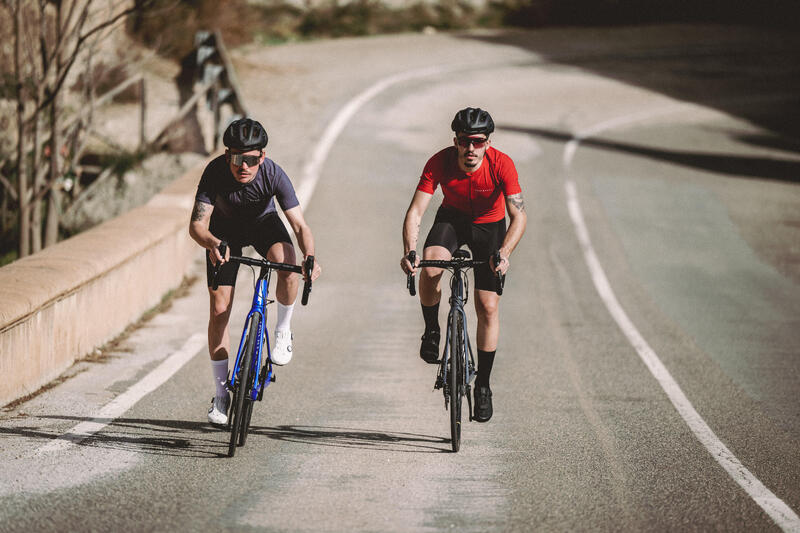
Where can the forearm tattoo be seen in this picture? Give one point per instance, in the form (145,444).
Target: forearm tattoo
(199,211)
(517,201)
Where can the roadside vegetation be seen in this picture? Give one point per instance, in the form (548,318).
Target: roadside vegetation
(58,60)
(277,21)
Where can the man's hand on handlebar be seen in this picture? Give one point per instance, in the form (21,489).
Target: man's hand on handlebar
(219,254)
(316,269)
(407,265)
(500,263)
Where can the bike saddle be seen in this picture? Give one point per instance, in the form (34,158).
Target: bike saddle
(461,254)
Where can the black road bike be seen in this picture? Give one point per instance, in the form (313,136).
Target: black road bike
(457,365)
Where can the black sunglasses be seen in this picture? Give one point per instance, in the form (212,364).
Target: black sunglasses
(464,142)
(238,159)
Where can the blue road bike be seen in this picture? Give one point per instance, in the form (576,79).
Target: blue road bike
(457,364)
(252,371)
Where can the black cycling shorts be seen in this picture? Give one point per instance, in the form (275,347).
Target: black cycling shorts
(261,235)
(453,229)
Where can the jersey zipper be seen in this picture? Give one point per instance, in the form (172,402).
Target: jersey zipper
(471,205)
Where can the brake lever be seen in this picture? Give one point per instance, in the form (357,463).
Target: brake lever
(500,279)
(412,288)
(309,268)
(223,247)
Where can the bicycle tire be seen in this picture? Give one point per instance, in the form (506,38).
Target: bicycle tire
(252,337)
(240,390)
(455,379)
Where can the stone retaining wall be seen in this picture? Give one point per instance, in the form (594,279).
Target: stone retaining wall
(58,305)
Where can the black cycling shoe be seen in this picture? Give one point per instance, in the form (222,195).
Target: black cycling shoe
(483,404)
(429,349)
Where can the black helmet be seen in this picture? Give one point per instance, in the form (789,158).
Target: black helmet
(245,134)
(472,120)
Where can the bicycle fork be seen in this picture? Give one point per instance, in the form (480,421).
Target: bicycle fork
(445,367)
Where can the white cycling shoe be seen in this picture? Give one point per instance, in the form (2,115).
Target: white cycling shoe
(282,352)
(218,413)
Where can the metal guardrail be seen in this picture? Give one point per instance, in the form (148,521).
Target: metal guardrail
(206,72)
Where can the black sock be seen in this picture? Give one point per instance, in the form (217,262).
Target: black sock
(485,362)
(431,316)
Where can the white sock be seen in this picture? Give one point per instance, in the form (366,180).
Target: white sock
(284,322)
(219,369)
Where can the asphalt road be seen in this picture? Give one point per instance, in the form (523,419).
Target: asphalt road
(660,169)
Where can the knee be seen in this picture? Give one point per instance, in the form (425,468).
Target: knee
(220,311)
(487,310)
(430,276)
(281,253)
(288,278)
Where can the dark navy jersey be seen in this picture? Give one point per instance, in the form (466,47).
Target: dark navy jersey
(245,202)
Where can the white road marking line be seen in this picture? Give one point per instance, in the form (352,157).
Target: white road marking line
(780,513)
(128,399)
(311,172)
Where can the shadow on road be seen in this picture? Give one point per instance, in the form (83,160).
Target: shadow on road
(182,438)
(159,437)
(747,72)
(786,170)
(356,438)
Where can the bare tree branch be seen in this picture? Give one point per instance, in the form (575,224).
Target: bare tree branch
(80,43)
(9,187)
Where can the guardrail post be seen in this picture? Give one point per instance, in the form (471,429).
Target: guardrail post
(143,116)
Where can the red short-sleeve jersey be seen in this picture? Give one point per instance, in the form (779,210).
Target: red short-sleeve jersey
(480,194)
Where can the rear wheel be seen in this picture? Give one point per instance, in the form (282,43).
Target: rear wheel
(241,390)
(456,379)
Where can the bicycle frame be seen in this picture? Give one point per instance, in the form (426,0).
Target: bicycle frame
(258,371)
(457,301)
(258,309)
(455,376)
(458,297)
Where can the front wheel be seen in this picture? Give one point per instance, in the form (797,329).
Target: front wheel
(241,389)
(252,342)
(248,401)
(456,379)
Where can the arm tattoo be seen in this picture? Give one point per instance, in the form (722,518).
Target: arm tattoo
(517,201)
(199,211)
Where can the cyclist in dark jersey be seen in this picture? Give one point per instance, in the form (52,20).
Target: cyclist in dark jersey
(235,203)
(479,185)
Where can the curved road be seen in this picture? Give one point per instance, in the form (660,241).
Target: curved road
(648,372)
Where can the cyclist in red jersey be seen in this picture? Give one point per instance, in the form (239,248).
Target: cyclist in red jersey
(479,185)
